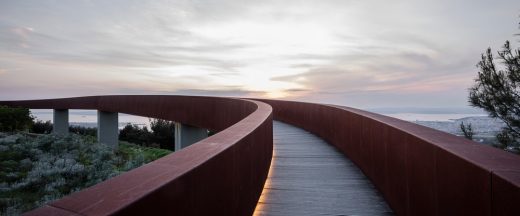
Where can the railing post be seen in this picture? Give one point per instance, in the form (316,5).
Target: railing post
(186,135)
(61,121)
(108,128)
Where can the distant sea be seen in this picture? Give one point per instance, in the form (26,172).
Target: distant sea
(88,118)
(432,117)
(484,127)
(434,114)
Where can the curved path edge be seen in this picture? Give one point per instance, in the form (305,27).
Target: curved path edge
(223,174)
(418,170)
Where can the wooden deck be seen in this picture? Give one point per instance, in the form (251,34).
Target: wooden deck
(310,177)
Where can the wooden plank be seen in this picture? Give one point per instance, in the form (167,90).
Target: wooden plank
(310,177)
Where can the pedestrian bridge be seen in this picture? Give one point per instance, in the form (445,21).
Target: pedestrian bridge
(310,177)
(322,160)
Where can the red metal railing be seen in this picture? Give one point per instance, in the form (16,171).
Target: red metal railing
(221,175)
(419,171)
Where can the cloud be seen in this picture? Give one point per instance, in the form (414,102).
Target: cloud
(233,92)
(111,52)
(306,50)
(413,79)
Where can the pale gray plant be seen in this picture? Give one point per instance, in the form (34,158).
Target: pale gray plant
(54,166)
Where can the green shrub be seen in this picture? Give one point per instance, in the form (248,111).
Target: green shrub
(163,133)
(129,151)
(135,134)
(41,127)
(88,131)
(15,119)
(37,170)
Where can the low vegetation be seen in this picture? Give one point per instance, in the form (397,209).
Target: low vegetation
(160,136)
(15,119)
(36,169)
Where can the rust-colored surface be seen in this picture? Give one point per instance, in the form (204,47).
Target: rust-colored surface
(221,175)
(506,192)
(419,171)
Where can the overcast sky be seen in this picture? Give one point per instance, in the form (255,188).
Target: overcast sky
(360,53)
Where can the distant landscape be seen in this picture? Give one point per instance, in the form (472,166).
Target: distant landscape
(485,128)
(37,166)
(443,119)
(88,118)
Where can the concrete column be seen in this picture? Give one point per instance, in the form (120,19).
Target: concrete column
(60,121)
(177,136)
(108,128)
(186,135)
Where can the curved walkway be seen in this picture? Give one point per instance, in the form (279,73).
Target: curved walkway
(310,177)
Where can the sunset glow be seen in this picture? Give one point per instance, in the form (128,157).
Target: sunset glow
(356,53)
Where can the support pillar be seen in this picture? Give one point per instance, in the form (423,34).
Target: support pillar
(60,121)
(108,128)
(186,135)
